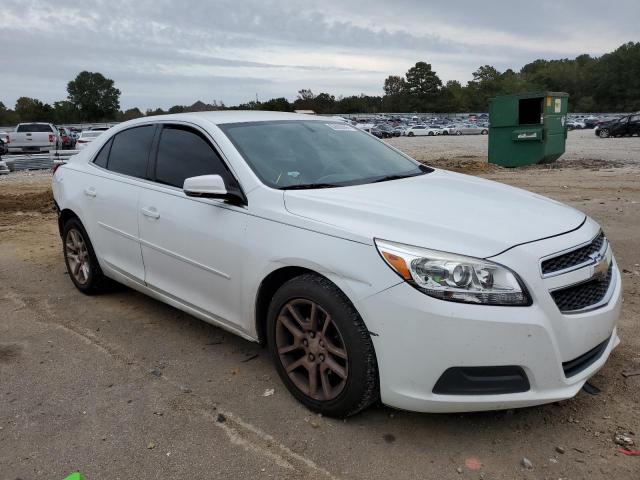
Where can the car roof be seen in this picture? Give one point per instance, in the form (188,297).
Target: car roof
(237,116)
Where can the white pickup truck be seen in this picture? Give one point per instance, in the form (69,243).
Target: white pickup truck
(34,137)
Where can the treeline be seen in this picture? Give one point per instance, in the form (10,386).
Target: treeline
(610,83)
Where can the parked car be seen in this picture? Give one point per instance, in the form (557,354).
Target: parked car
(419,130)
(625,126)
(450,129)
(34,137)
(86,137)
(471,129)
(575,125)
(311,236)
(591,122)
(66,139)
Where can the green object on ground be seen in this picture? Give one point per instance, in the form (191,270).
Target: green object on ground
(75,476)
(527,128)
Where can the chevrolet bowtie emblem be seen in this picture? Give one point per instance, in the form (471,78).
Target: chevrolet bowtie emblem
(601,266)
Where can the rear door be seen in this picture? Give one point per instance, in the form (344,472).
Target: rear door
(112,192)
(193,248)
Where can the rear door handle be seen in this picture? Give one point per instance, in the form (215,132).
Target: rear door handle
(90,192)
(150,212)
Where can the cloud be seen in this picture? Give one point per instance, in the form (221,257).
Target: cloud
(162,52)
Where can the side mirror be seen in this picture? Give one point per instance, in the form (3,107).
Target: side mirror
(212,186)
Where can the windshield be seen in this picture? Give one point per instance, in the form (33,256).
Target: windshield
(316,154)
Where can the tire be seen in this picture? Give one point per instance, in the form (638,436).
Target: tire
(88,278)
(604,133)
(350,388)
(484,132)
(410,134)
(458,132)
(445,132)
(431,134)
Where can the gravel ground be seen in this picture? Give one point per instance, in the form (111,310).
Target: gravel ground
(122,386)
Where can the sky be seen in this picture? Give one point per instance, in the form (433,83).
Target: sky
(162,53)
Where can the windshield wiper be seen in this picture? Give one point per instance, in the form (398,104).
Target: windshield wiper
(308,186)
(386,178)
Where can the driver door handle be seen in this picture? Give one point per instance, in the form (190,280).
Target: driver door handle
(150,212)
(90,192)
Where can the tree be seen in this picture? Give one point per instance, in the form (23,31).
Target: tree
(33,110)
(280,104)
(131,113)
(7,116)
(422,81)
(394,85)
(65,112)
(304,100)
(94,95)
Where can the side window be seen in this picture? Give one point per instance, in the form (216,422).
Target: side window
(130,151)
(103,155)
(184,153)
(634,119)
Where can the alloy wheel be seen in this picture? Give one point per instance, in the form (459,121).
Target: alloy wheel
(77,256)
(311,349)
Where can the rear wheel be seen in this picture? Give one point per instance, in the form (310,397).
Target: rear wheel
(430,134)
(484,132)
(81,261)
(410,134)
(603,133)
(458,132)
(321,348)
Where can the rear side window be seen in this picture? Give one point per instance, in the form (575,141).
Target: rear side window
(103,156)
(130,151)
(184,153)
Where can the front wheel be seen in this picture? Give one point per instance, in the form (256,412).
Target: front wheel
(321,348)
(430,134)
(484,132)
(604,133)
(458,132)
(410,134)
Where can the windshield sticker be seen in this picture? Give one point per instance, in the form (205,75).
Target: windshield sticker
(340,127)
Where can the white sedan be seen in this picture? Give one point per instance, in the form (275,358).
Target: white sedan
(367,275)
(418,130)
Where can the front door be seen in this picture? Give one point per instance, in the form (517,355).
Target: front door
(192,248)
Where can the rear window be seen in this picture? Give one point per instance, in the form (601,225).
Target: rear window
(34,128)
(130,151)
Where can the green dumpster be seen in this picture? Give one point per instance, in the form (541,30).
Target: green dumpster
(527,128)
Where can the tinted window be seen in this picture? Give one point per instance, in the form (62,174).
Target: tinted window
(130,151)
(183,153)
(34,127)
(103,155)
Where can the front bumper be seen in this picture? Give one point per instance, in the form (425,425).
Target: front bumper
(417,338)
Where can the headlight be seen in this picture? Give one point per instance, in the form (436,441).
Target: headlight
(452,277)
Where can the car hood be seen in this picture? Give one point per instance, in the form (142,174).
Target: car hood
(440,210)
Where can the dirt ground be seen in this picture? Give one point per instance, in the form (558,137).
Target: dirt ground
(122,386)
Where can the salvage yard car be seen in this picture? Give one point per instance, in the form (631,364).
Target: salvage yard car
(34,137)
(418,130)
(620,127)
(367,274)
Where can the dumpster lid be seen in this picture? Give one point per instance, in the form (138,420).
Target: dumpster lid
(532,95)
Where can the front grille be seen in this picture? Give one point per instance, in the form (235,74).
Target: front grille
(575,366)
(582,295)
(575,257)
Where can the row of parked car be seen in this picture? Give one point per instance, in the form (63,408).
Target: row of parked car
(37,137)
(387,131)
